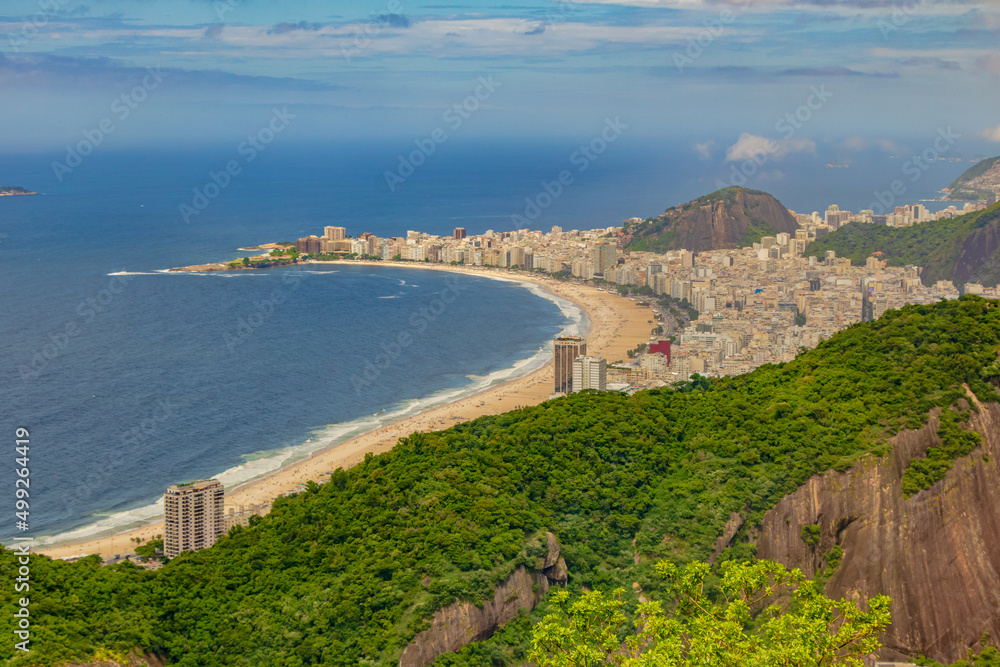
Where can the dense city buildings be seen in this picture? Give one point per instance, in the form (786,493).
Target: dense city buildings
(335,233)
(565,351)
(590,373)
(193,516)
(750,306)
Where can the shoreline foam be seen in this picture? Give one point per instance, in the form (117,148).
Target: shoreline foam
(376,433)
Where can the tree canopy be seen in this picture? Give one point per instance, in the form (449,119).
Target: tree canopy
(347,572)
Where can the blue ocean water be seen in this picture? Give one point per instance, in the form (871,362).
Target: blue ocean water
(130,379)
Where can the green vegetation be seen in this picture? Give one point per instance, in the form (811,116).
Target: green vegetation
(936,246)
(812,631)
(757,230)
(956,442)
(960,188)
(989,657)
(810,534)
(14,190)
(263,262)
(344,573)
(149,549)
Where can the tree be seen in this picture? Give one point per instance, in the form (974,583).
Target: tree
(813,631)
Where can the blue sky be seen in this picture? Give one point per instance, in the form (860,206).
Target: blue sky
(722,76)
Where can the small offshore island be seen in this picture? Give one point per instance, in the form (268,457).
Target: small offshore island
(10,190)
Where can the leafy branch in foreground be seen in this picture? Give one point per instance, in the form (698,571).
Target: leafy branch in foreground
(811,631)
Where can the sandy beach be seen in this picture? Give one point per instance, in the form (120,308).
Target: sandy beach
(617,325)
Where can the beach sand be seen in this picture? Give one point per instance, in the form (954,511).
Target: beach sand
(617,325)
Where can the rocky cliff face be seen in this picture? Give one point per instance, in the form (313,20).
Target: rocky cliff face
(978,257)
(730,218)
(936,554)
(463,622)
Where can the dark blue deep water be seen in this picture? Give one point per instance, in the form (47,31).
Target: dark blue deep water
(132,382)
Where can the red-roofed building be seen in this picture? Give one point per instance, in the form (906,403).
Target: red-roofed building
(662,347)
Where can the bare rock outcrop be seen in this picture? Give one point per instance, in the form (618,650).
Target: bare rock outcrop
(936,554)
(463,622)
(729,532)
(729,218)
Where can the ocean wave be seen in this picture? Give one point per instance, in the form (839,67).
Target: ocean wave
(256,465)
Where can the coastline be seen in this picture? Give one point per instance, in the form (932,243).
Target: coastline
(617,325)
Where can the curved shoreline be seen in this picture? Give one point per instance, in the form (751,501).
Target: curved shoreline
(617,325)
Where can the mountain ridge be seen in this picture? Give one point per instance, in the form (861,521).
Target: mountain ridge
(732,217)
(962,249)
(977,182)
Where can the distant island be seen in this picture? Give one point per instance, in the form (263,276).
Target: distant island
(6,190)
(978,182)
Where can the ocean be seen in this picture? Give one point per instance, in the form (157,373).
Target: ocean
(130,379)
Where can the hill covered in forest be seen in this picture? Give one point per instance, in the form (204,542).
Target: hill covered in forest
(733,217)
(977,182)
(348,572)
(963,249)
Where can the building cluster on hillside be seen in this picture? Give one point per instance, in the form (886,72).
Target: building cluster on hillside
(833,219)
(756,305)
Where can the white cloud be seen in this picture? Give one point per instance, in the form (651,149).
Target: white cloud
(855,143)
(751,147)
(992,133)
(704,150)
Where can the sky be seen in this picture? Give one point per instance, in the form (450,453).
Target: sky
(726,78)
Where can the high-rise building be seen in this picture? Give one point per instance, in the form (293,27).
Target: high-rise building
(590,373)
(193,516)
(335,233)
(460,232)
(309,244)
(867,299)
(567,349)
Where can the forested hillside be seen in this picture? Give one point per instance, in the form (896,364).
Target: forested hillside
(964,249)
(345,572)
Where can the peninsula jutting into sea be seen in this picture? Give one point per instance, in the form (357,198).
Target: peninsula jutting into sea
(11,190)
(730,304)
